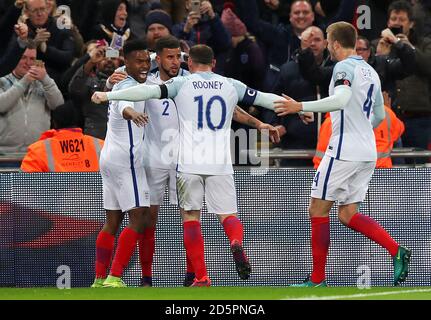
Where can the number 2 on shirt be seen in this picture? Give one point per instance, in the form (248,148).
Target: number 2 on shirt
(166,105)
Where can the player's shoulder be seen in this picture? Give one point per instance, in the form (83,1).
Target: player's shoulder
(124,84)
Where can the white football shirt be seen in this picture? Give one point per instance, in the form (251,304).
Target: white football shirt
(352,132)
(161,134)
(205,103)
(124,143)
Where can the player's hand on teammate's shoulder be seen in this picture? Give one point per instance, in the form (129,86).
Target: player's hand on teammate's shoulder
(117,77)
(99,97)
(270,130)
(287,106)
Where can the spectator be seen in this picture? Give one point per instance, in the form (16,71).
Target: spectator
(331,11)
(176,9)
(89,78)
(390,67)
(64,20)
(245,61)
(66,78)
(64,149)
(114,27)
(27,96)
(15,50)
(159,25)
(413,101)
(55,46)
(83,15)
(204,27)
(296,134)
(138,9)
(281,41)
(7,22)
(274,11)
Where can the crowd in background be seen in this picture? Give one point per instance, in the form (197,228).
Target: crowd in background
(57,53)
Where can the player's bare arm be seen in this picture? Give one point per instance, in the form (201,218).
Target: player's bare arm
(241,116)
(140,119)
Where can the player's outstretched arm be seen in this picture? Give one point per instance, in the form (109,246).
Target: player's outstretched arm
(243,117)
(141,92)
(338,101)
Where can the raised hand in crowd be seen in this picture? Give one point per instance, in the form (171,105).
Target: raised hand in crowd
(207,8)
(19,4)
(42,37)
(192,19)
(388,36)
(21,30)
(306,38)
(38,71)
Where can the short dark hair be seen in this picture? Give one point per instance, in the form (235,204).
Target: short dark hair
(168,42)
(401,5)
(344,33)
(65,116)
(202,54)
(367,42)
(134,45)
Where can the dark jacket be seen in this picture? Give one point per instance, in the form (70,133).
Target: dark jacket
(299,135)
(61,48)
(389,68)
(414,92)
(105,28)
(246,63)
(210,32)
(7,22)
(11,58)
(81,89)
(280,41)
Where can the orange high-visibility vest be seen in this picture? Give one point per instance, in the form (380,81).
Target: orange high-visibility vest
(65,150)
(389,131)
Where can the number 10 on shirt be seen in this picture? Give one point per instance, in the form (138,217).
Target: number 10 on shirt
(208,107)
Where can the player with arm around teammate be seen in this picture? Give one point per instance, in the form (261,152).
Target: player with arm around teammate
(161,149)
(205,104)
(356,106)
(124,182)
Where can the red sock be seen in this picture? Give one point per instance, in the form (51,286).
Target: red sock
(372,230)
(319,247)
(194,244)
(125,249)
(104,247)
(233,229)
(189,266)
(147,247)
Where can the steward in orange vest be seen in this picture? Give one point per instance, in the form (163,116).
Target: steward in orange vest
(389,131)
(63,150)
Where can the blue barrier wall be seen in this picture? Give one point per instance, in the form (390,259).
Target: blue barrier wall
(52,220)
